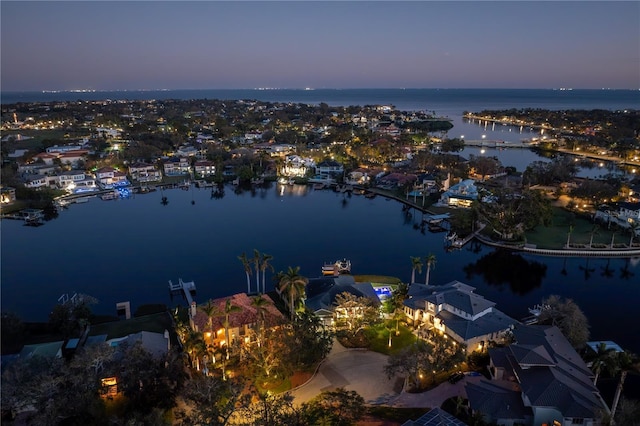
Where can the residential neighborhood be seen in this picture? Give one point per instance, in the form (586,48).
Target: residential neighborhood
(363,341)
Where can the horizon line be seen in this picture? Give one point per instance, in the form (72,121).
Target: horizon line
(311,89)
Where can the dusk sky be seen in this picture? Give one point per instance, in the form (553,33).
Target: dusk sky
(224,45)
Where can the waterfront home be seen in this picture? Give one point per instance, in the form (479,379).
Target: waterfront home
(204,168)
(68,179)
(538,379)
(241,322)
(36,182)
(625,215)
(7,195)
(329,168)
(108,177)
(461,194)
(321,295)
(455,310)
(144,172)
(296,166)
(362,176)
(396,180)
(176,166)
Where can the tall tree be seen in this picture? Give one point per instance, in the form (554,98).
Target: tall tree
(229,309)
(337,407)
(256,265)
(416,264)
(604,359)
(430,261)
(293,284)
(264,265)
(247,270)
(212,401)
(210,311)
(626,362)
(354,312)
(260,304)
(568,317)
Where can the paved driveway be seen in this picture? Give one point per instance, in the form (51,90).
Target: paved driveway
(352,369)
(363,372)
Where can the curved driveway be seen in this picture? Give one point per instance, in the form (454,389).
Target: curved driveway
(363,371)
(353,369)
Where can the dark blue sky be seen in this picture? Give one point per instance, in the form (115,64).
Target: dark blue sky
(208,44)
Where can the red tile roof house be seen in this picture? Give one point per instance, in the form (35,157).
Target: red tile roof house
(241,322)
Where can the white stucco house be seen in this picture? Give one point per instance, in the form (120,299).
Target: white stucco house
(455,310)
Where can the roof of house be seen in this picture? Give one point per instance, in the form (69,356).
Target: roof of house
(247,314)
(322,292)
(47,350)
(435,417)
(491,322)
(455,293)
(497,399)
(155,343)
(550,372)
(329,163)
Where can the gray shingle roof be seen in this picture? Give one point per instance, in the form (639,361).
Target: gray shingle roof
(322,292)
(455,293)
(550,371)
(492,322)
(497,400)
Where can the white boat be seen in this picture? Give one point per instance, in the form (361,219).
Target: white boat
(336,268)
(110,196)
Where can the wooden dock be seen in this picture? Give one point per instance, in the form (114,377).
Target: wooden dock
(187,289)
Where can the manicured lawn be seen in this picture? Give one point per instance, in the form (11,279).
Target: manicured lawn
(379,338)
(555,236)
(377,279)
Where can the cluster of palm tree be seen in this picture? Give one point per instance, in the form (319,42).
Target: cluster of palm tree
(609,360)
(260,263)
(416,265)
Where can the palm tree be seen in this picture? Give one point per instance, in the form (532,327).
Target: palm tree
(256,263)
(594,230)
(264,265)
(209,310)
(613,236)
(293,283)
(603,360)
(228,310)
(626,362)
(247,270)
(260,304)
(416,263)
(430,261)
(195,346)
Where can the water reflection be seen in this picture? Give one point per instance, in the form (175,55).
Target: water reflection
(503,267)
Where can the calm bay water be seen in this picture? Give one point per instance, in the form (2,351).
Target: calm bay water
(129,249)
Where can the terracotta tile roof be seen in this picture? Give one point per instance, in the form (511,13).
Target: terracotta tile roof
(247,314)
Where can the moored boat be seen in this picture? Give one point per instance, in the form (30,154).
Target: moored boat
(336,268)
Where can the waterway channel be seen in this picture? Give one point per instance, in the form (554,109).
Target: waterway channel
(129,249)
